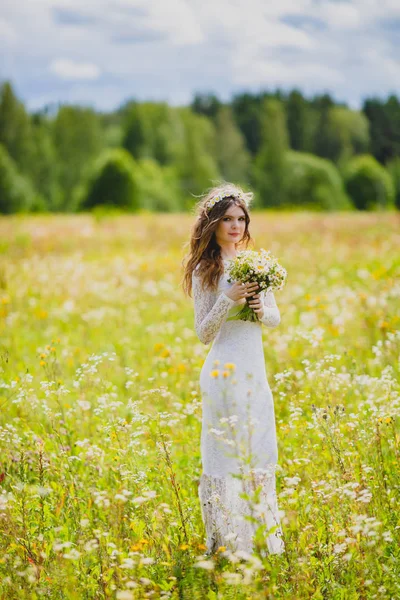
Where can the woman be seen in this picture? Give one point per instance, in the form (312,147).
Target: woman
(238,439)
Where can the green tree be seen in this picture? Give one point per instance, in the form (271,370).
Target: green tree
(230,148)
(44,168)
(16,192)
(394,169)
(298,122)
(158,186)
(247,113)
(152,130)
(15,128)
(196,163)
(269,173)
(384,119)
(206,104)
(321,105)
(112,183)
(368,183)
(315,183)
(348,133)
(78,141)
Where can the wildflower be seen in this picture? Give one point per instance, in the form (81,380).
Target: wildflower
(215,373)
(229,365)
(232,578)
(124,595)
(205,564)
(339,548)
(72,554)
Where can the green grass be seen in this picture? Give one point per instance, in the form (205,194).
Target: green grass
(101,413)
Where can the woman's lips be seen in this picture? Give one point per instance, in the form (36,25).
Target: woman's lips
(234,234)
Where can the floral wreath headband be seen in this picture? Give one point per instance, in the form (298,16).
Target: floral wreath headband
(219,197)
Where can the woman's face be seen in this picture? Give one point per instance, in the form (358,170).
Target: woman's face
(233,222)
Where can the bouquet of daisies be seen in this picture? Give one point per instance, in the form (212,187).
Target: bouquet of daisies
(259,266)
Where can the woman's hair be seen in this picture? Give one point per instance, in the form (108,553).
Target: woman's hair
(204,249)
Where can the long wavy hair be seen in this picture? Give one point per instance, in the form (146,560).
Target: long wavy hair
(203,246)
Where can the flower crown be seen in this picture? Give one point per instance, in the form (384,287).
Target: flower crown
(219,197)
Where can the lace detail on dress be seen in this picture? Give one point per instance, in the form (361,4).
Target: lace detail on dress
(210,310)
(271,317)
(224,511)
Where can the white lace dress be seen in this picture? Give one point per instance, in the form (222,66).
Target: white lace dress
(238,434)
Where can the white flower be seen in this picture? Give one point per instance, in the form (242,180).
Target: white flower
(124,595)
(216,431)
(205,564)
(84,404)
(72,554)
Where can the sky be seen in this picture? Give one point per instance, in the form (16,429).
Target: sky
(101,53)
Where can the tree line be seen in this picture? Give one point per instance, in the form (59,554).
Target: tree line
(293,152)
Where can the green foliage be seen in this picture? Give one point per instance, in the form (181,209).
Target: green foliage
(233,159)
(112,182)
(16,193)
(368,183)
(78,141)
(299,121)
(314,182)
(339,132)
(321,106)
(196,164)
(152,130)
(348,133)
(183,151)
(44,168)
(158,187)
(394,169)
(15,128)
(100,421)
(269,172)
(384,119)
(246,109)
(206,104)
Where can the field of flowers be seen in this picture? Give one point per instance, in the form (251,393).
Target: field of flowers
(101,415)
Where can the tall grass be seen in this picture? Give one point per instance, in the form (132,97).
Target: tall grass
(101,411)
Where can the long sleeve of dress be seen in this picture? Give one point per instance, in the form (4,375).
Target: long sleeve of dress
(271,317)
(209,313)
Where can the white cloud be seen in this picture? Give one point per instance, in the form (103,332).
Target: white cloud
(340,15)
(68,69)
(110,49)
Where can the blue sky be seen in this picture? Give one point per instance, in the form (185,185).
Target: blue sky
(102,52)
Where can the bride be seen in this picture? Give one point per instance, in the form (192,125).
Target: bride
(239,451)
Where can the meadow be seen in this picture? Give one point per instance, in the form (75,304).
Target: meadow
(101,414)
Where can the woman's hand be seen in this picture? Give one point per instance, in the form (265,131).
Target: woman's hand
(256,304)
(243,290)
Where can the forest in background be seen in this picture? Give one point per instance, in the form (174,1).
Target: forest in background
(293,152)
